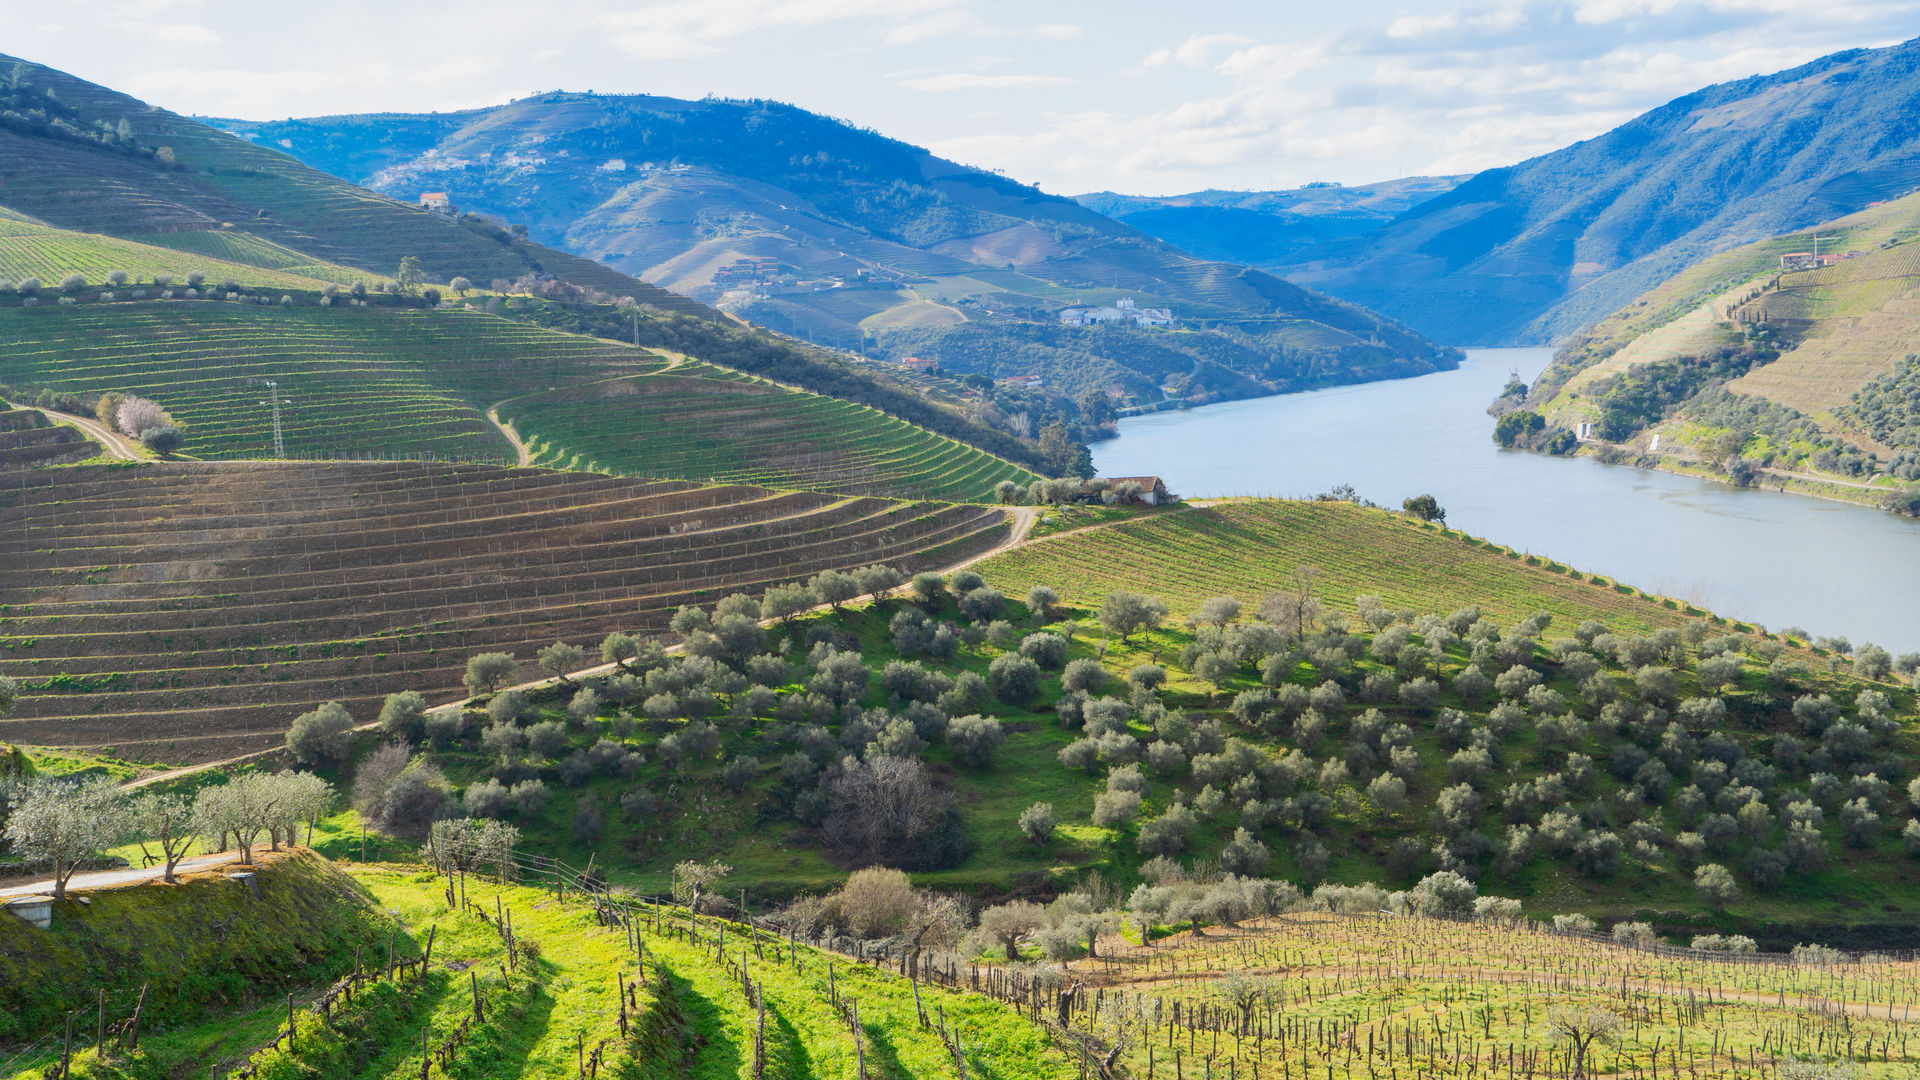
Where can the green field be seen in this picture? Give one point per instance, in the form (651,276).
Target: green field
(697,422)
(1248,548)
(29,250)
(359,382)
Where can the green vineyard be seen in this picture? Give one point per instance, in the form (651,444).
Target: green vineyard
(1248,548)
(704,423)
(357,381)
(30,250)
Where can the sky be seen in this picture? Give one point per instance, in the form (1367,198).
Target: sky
(1074,95)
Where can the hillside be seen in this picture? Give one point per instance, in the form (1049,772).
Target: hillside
(81,157)
(1588,755)
(190,611)
(1268,229)
(867,243)
(1741,361)
(1534,251)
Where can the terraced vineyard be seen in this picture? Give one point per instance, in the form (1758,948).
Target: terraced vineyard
(32,250)
(359,381)
(27,441)
(1248,548)
(191,611)
(240,247)
(703,423)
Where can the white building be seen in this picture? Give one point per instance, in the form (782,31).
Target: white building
(1125,311)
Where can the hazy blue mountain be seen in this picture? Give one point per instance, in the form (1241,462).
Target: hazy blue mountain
(1268,229)
(816,228)
(1534,251)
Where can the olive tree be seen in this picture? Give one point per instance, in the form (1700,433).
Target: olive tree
(62,823)
(1037,822)
(404,715)
(1126,613)
(834,588)
(561,659)
(321,737)
(487,670)
(167,820)
(1009,922)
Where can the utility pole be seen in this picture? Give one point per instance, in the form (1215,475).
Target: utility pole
(273,398)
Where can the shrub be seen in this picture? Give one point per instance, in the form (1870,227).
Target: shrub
(509,707)
(1085,674)
(982,604)
(1715,884)
(403,716)
(1244,855)
(1037,822)
(1015,678)
(486,799)
(1045,649)
(529,798)
(975,739)
(1115,808)
(321,737)
(1443,893)
(875,903)
(1637,934)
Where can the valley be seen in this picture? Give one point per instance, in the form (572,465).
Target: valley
(693,588)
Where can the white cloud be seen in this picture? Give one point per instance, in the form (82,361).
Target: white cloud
(1058,32)
(968,80)
(697,28)
(184,34)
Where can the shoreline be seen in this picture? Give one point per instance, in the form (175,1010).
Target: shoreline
(1775,482)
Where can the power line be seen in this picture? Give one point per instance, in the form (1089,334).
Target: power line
(274,399)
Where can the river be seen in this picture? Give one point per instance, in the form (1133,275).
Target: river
(1777,559)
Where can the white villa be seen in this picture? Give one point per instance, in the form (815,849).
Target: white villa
(1122,312)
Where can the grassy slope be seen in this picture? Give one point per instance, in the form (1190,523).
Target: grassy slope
(50,254)
(697,422)
(1824,307)
(1249,548)
(772,854)
(690,1016)
(203,945)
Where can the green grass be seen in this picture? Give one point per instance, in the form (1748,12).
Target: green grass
(1249,548)
(50,255)
(708,424)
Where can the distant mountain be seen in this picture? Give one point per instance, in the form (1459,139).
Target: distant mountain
(80,156)
(818,229)
(1533,252)
(1268,229)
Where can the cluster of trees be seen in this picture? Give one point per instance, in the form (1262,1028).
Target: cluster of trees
(1057,492)
(878,903)
(62,823)
(140,418)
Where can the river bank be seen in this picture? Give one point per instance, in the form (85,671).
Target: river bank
(1831,566)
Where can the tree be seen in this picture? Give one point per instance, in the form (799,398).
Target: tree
(1715,884)
(783,602)
(1015,678)
(409,277)
(835,588)
(692,878)
(1219,611)
(1041,600)
(619,648)
(560,659)
(929,588)
(169,821)
(974,739)
(162,440)
(1037,822)
(1126,613)
(877,581)
(61,823)
(487,670)
(321,737)
(9,693)
(404,715)
(1426,508)
(1582,1026)
(1009,922)
(460,286)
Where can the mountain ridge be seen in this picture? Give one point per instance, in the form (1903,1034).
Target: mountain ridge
(819,229)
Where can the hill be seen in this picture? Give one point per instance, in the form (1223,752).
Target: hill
(1586,756)
(1534,251)
(80,157)
(190,611)
(1745,362)
(1268,229)
(391,380)
(824,231)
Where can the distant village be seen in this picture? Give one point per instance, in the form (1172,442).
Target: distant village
(1124,312)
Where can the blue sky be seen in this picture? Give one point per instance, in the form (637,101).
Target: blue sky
(1148,98)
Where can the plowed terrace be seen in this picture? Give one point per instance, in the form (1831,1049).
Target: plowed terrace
(190,611)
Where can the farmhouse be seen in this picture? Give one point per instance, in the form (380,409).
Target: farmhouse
(436,201)
(925,367)
(1023,382)
(1153,490)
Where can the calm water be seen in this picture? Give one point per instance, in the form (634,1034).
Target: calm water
(1781,560)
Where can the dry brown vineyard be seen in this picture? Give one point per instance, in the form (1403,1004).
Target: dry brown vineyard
(190,611)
